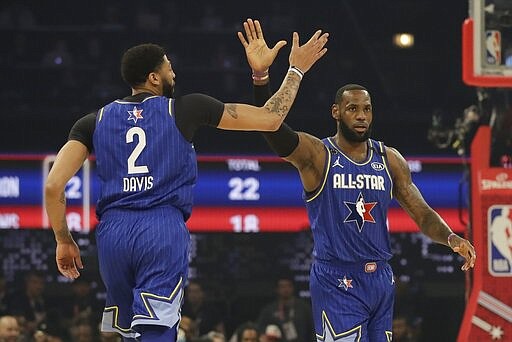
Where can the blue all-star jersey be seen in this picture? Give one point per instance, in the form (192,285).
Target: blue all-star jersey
(348,213)
(142,159)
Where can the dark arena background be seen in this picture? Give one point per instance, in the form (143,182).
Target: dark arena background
(249,226)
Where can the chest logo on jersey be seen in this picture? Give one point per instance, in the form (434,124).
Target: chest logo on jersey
(377,166)
(359,181)
(135,114)
(337,163)
(360,212)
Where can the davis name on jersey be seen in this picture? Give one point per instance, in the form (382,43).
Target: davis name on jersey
(359,181)
(131,184)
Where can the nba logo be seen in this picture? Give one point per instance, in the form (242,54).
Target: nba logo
(500,240)
(493,47)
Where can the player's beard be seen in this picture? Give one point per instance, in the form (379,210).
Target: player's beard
(352,135)
(168,89)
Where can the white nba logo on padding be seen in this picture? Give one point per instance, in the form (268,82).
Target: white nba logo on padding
(500,240)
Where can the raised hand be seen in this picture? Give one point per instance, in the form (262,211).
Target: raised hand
(303,57)
(259,56)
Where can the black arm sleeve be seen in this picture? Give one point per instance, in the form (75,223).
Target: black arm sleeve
(83,130)
(194,110)
(283,141)
(261,94)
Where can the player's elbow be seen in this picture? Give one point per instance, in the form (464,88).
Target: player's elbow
(272,123)
(52,189)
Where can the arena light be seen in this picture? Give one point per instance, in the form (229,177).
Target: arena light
(403,40)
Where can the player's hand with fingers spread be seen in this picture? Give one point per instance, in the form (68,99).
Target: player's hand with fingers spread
(68,259)
(303,57)
(259,55)
(464,248)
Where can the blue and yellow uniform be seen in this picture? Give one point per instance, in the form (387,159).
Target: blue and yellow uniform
(147,170)
(348,216)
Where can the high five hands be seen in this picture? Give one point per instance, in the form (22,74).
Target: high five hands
(260,57)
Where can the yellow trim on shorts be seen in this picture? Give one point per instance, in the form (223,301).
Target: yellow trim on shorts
(325,176)
(145,295)
(389,335)
(328,324)
(115,323)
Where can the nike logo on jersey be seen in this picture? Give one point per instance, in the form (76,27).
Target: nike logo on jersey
(359,181)
(360,212)
(337,163)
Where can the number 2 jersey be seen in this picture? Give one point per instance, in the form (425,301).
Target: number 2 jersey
(144,154)
(142,159)
(348,212)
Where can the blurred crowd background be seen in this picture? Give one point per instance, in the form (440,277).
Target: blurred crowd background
(61,60)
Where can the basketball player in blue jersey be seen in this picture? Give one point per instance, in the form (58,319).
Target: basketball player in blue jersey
(349,180)
(147,166)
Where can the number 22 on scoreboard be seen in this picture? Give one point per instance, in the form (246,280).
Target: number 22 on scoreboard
(244,189)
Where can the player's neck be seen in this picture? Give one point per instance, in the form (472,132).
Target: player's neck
(356,150)
(140,90)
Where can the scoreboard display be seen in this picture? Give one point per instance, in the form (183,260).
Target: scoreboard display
(232,194)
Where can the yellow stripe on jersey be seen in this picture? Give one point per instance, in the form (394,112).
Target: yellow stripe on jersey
(129,102)
(370,156)
(101,113)
(170,107)
(325,175)
(383,153)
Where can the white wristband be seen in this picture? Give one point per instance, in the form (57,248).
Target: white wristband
(297,71)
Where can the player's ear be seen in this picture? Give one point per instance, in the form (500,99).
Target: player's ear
(335,111)
(154,78)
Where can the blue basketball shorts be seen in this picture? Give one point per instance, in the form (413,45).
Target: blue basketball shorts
(352,302)
(143,260)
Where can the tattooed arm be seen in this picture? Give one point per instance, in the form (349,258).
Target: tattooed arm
(272,114)
(429,221)
(68,161)
(267,118)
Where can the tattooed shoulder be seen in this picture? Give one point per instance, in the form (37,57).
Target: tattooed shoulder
(230,108)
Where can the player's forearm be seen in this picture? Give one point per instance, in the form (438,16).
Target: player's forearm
(284,140)
(280,103)
(55,203)
(433,226)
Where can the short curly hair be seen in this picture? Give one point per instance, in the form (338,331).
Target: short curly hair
(139,61)
(347,87)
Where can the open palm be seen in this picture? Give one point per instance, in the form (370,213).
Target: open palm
(259,56)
